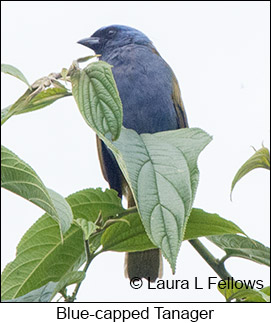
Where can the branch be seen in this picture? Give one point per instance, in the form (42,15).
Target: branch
(216,264)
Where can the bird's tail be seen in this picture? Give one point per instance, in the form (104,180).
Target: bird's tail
(143,264)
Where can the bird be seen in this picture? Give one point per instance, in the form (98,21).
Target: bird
(152,102)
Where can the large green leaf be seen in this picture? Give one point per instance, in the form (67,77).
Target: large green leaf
(18,177)
(162,172)
(41,254)
(14,71)
(97,97)
(238,246)
(120,237)
(48,291)
(261,159)
(42,294)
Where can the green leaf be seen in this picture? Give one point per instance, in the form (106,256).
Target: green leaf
(42,256)
(250,295)
(30,101)
(266,290)
(13,71)
(89,203)
(63,210)
(261,159)
(97,97)
(161,170)
(202,224)
(115,220)
(229,287)
(119,237)
(19,178)
(44,98)
(4,113)
(86,58)
(238,246)
(48,291)
(18,106)
(88,227)
(42,294)
(242,292)
(70,278)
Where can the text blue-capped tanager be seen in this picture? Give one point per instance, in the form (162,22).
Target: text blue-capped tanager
(151,101)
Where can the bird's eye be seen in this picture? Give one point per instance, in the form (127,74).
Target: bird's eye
(111,32)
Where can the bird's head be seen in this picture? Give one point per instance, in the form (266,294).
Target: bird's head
(115,36)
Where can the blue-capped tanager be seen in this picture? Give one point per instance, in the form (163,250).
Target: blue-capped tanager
(151,101)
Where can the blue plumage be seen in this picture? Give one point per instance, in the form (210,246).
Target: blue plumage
(144,82)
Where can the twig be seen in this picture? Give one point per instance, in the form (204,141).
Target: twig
(223,259)
(90,256)
(216,264)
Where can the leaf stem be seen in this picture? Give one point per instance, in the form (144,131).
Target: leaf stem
(130,210)
(216,264)
(90,256)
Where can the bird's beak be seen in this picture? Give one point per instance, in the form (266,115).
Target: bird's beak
(90,42)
